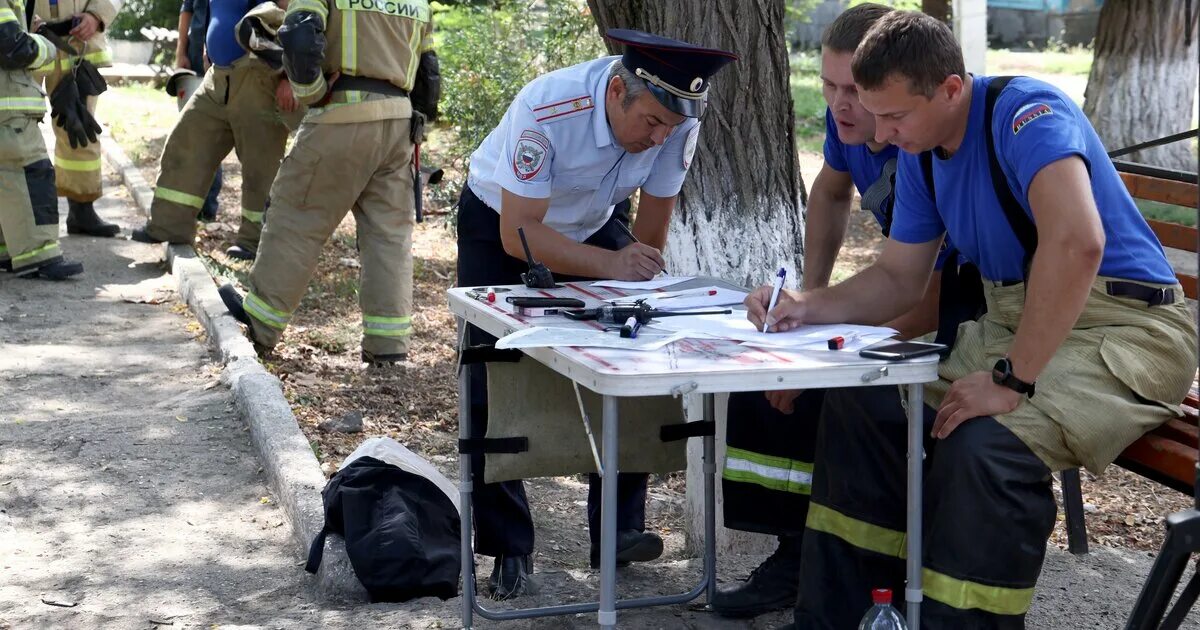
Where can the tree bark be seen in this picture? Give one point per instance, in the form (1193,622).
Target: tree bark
(1143,80)
(939,9)
(739,213)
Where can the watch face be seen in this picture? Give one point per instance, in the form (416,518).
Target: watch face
(1001,371)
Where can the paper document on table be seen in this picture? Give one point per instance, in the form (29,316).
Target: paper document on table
(541,337)
(736,326)
(689,298)
(643,285)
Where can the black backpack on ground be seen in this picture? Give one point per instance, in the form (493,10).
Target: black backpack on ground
(401,531)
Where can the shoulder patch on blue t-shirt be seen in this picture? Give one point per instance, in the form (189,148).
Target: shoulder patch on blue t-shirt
(1028,114)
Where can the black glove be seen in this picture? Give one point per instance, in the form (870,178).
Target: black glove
(303,39)
(88,79)
(427,86)
(70,112)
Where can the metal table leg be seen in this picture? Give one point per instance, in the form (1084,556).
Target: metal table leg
(916,430)
(607,614)
(464,499)
(710,502)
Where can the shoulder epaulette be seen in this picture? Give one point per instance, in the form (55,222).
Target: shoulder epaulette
(563,109)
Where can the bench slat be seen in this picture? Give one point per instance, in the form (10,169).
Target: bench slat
(1161,190)
(1174,235)
(1163,460)
(1179,431)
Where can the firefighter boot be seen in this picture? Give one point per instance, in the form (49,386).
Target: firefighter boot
(82,219)
(771,586)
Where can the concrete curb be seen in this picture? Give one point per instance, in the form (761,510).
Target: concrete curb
(293,472)
(130,175)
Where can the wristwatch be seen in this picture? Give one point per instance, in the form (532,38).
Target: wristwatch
(1002,375)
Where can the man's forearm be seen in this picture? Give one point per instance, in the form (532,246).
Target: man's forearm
(824,232)
(181,45)
(559,253)
(1059,282)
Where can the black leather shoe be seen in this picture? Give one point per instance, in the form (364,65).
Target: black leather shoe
(771,586)
(82,219)
(233,303)
(241,253)
(512,576)
(142,236)
(5,265)
(632,546)
(56,269)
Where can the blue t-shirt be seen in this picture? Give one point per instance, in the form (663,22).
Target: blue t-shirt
(1034,124)
(865,167)
(223,48)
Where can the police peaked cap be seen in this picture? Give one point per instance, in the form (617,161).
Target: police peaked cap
(676,72)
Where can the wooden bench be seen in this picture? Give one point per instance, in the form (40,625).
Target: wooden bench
(1168,454)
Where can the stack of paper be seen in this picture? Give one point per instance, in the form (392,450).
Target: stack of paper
(642,285)
(541,337)
(736,326)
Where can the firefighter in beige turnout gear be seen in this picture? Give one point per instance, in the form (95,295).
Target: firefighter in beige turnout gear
(28,205)
(243,104)
(77,169)
(354,62)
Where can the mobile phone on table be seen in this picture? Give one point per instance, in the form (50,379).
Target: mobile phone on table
(900,350)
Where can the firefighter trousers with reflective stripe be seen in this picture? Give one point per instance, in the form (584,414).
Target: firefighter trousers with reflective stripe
(77,170)
(334,168)
(988,512)
(767,476)
(233,109)
(28,204)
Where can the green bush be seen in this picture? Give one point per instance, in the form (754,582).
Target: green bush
(136,14)
(488,53)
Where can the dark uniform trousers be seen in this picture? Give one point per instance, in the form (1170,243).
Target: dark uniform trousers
(503,526)
(988,511)
(767,477)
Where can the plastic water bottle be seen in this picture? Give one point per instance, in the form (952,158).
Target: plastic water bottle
(882,616)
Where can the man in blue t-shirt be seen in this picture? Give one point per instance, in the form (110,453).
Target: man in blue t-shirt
(241,105)
(1081,303)
(771,435)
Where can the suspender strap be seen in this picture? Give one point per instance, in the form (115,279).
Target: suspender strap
(1020,222)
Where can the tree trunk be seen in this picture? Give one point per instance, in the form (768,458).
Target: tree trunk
(939,9)
(740,213)
(1143,80)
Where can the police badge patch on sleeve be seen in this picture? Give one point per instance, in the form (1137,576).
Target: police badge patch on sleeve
(530,154)
(1028,114)
(689,147)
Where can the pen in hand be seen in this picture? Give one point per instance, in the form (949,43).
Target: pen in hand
(779,279)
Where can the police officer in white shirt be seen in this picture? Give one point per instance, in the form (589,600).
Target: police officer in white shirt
(562,163)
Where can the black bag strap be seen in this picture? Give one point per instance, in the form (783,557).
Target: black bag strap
(685,430)
(1020,222)
(487,353)
(316,551)
(481,446)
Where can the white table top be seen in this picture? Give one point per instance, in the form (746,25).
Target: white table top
(686,366)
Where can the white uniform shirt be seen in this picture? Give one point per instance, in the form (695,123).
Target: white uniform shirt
(554,142)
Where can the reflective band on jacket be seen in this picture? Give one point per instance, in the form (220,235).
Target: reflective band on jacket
(36,105)
(387,326)
(45,52)
(964,595)
(100,57)
(49,247)
(309,6)
(861,534)
(773,473)
(7,15)
(259,310)
(166,194)
(252,216)
(304,90)
(349,43)
(412,9)
(76,165)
